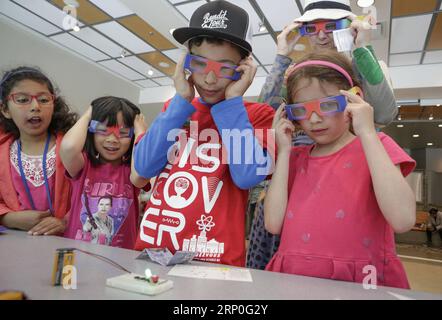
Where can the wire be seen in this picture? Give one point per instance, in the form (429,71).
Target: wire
(102,258)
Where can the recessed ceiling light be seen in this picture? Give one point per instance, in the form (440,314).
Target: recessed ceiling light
(262,27)
(76,28)
(72,3)
(415,136)
(163,64)
(150,72)
(430,117)
(440,126)
(365,3)
(429,144)
(399,117)
(437,105)
(399,106)
(400,125)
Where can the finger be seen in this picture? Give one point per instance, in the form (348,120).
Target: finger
(179,69)
(54,231)
(354,98)
(39,227)
(45,214)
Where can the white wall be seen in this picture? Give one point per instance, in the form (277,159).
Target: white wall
(79,80)
(434,160)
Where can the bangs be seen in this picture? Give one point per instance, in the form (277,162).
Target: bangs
(107,108)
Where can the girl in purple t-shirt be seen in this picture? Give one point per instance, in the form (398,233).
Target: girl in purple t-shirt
(338,202)
(97,154)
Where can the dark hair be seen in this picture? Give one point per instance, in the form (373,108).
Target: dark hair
(322,73)
(107,108)
(62,118)
(105,197)
(198,41)
(433,210)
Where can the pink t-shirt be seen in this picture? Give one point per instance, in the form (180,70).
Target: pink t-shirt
(333,227)
(33,170)
(110,213)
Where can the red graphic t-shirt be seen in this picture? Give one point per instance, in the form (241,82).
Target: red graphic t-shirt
(195,205)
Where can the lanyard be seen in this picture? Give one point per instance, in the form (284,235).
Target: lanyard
(45,175)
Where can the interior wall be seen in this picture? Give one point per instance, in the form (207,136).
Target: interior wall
(79,80)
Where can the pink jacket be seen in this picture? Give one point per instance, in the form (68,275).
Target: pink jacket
(8,196)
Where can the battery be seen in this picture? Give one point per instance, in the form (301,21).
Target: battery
(63,257)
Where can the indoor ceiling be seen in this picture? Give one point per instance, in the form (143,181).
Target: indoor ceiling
(123,41)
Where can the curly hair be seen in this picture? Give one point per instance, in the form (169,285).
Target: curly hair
(107,108)
(62,118)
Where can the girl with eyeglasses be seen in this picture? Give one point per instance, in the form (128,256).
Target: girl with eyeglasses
(337,203)
(34,192)
(97,154)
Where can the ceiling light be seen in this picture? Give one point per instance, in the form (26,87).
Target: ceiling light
(365,3)
(430,117)
(76,28)
(171,30)
(429,143)
(440,126)
(71,3)
(415,136)
(150,72)
(400,125)
(163,64)
(399,117)
(262,27)
(437,105)
(399,106)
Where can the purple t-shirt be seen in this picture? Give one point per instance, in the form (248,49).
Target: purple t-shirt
(104,206)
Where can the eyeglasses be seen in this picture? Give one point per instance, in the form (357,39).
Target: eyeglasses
(103,130)
(311,29)
(22,99)
(202,65)
(323,107)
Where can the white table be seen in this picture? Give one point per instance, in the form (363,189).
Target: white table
(26,264)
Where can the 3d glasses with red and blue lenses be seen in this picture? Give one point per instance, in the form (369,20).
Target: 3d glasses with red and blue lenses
(102,129)
(323,107)
(313,28)
(196,64)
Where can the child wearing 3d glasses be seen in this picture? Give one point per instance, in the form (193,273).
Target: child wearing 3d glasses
(338,202)
(316,25)
(207,151)
(96,153)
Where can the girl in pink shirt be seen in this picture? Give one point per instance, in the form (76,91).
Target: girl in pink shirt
(337,203)
(97,154)
(34,192)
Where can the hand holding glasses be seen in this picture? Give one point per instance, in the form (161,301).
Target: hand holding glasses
(323,107)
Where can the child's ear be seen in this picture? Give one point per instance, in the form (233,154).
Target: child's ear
(5,111)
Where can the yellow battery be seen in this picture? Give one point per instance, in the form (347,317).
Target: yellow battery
(63,257)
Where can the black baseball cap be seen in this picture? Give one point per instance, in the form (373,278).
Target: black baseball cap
(219,19)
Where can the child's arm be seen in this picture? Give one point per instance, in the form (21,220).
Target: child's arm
(249,162)
(140,128)
(73,143)
(374,76)
(150,154)
(275,202)
(271,91)
(393,194)
(23,220)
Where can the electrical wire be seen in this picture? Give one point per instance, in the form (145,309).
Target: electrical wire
(104,259)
